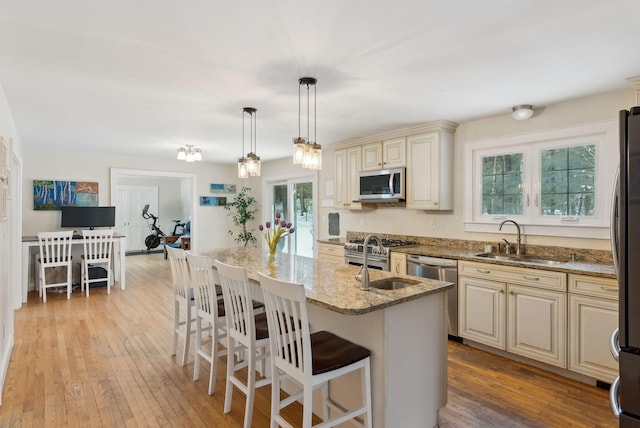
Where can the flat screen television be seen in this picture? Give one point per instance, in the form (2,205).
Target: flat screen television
(90,217)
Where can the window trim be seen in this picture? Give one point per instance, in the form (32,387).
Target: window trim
(604,134)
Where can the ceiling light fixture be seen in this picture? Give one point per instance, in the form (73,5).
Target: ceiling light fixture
(306,152)
(522,112)
(249,166)
(189,154)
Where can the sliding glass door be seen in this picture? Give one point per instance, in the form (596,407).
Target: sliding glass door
(294,200)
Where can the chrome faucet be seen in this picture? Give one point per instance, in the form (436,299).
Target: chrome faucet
(363,274)
(517,227)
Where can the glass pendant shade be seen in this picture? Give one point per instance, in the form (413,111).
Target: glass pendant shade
(315,157)
(182,154)
(299,149)
(197,155)
(243,171)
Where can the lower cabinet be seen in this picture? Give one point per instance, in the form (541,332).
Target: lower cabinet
(331,253)
(481,311)
(593,316)
(537,324)
(513,315)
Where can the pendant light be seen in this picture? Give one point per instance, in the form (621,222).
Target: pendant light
(249,166)
(306,152)
(253,160)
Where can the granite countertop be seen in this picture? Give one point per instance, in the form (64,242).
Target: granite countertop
(327,285)
(592,269)
(333,241)
(451,252)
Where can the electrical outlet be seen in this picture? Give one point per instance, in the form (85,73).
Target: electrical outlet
(432,224)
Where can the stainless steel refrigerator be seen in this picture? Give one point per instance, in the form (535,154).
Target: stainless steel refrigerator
(625,391)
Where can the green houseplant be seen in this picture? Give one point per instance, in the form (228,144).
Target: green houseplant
(242,211)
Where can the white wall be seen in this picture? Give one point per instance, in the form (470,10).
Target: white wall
(450,224)
(213,222)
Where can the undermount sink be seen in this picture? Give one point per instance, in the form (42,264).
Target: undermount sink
(520,258)
(392,283)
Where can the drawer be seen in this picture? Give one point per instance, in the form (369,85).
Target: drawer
(331,250)
(331,259)
(594,286)
(515,275)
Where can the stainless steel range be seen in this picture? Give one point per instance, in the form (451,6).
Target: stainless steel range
(378,257)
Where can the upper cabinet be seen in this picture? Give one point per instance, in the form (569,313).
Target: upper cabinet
(430,171)
(348,164)
(425,150)
(386,154)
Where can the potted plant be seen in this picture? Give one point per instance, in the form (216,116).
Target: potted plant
(243,212)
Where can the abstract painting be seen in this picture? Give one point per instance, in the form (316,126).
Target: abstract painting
(213,201)
(54,194)
(223,188)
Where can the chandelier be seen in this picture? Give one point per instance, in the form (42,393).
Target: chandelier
(306,152)
(189,154)
(249,166)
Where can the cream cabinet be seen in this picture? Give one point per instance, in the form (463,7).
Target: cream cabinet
(347,167)
(331,253)
(398,263)
(481,311)
(536,324)
(385,154)
(593,316)
(430,171)
(520,310)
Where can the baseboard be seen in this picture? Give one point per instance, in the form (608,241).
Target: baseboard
(6,357)
(136,253)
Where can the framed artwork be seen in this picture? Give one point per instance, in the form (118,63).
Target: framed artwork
(213,201)
(222,188)
(53,194)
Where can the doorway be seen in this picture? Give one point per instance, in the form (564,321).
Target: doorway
(294,200)
(180,204)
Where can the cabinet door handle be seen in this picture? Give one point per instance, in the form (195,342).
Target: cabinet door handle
(483,271)
(604,288)
(512,293)
(531,278)
(502,291)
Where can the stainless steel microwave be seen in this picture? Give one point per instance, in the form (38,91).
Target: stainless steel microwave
(387,185)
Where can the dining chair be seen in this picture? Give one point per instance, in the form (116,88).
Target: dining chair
(247,332)
(209,309)
(312,360)
(97,253)
(55,253)
(184,302)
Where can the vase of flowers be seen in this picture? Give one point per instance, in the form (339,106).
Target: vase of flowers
(273,234)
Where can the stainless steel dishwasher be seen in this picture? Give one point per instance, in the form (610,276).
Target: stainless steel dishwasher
(442,270)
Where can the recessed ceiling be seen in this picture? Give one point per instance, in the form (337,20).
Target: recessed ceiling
(142,78)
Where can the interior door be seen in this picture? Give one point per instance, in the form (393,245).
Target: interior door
(131,200)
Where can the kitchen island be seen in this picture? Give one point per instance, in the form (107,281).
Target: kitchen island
(404,329)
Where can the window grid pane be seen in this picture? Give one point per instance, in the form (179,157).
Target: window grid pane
(502,190)
(568,181)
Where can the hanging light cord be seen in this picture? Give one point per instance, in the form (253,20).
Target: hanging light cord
(315,123)
(242,154)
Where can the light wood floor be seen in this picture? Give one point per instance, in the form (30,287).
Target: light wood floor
(104,361)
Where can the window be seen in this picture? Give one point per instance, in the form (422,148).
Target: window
(568,181)
(557,183)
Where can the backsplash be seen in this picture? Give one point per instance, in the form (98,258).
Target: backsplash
(547,252)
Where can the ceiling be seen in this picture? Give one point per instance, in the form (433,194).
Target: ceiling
(144,77)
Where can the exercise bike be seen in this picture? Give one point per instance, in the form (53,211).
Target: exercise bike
(153,240)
